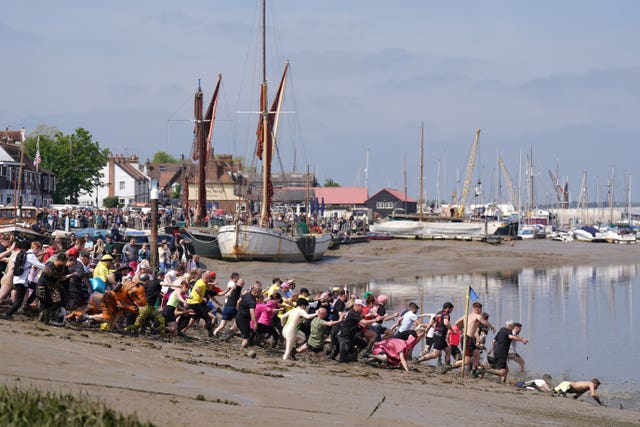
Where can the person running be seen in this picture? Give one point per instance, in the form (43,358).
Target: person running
(501,345)
(232,294)
(349,342)
(319,327)
(293,319)
(247,314)
(26,279)
(196,303)
(152,288)
(441,323)
(474,321)
(175,306)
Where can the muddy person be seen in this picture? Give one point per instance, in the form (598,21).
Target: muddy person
(232,294)
(501,345)
(293,319)
(474,321)
(441,323)
(578,388)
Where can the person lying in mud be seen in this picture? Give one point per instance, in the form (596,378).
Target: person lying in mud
(541,384)
(395,351)
(578,388)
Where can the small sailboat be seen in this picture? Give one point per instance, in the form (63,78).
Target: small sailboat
(263,242)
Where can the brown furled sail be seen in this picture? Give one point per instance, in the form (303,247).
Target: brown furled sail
(203,132)
(264,149)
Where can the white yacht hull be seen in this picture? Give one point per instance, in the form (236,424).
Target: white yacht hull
(250,243)
(400,227)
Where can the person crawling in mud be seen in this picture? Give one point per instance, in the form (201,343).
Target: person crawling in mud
(578,388)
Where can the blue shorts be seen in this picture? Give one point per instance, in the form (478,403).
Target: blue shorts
(229,312)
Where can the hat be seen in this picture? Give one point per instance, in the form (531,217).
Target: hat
(291,281)
(359,301)
(382,299)
(509,323)
(366,294)
(285,285)
(336,289)
(213,274)
(106,258)
(125,267)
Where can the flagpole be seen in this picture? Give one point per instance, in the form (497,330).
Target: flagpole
(464,333)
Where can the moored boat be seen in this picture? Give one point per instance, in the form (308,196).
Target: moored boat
(250,243)
(239,242)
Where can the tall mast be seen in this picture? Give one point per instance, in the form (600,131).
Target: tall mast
(366,170)
(404,174)
(264,208)
(421,168)
(201,147)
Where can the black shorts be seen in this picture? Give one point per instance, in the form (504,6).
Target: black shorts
(439,342)
(404,335)
(169,313)
(500,363)
(229,312)
(428,340)
(471,346)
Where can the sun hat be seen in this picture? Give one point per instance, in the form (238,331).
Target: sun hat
(359,301)
(285,285)
(106,257)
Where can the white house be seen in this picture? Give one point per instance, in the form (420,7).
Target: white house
(125,179)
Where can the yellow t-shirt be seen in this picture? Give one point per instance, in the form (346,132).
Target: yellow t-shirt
(196,296)
(271,289)
(101,271)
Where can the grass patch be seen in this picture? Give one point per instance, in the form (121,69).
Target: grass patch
(32,407)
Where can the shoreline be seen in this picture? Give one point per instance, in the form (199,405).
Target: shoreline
(173,381)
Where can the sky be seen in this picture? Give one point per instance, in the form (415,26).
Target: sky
(555,81)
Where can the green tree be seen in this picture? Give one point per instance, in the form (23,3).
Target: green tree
(330,183)
(75,160)
(162,157)
(111,202)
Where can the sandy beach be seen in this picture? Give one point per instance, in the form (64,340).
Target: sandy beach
(177,382)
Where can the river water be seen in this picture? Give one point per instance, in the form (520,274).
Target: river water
(579,320)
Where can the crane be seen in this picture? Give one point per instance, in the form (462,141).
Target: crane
(467,178)
(509,182)
(562,192)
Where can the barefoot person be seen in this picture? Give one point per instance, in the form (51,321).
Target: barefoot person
(319,327)
(232,294)
(474,320)
(293,319)
(441,323)
(501,345)
(578,388)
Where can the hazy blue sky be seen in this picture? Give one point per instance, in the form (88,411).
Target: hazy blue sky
(561,78)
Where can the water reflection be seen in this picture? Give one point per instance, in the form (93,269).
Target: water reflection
(579,319)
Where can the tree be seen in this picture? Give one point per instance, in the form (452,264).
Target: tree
(330,183)
(162,157)
(75,160)
(111,202)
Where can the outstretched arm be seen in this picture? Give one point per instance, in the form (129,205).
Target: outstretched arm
(309,316)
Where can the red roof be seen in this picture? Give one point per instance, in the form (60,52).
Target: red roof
(397,194)
(337,195)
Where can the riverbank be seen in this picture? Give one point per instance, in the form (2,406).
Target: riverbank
(387,259)
(171,382)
